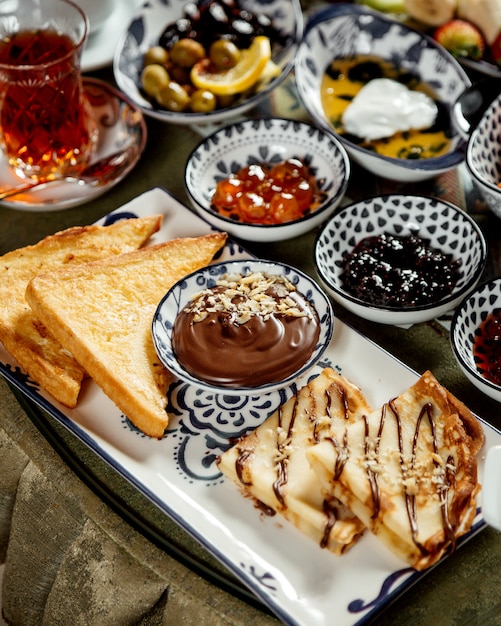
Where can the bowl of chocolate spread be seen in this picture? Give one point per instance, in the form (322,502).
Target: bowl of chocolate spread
(243,327)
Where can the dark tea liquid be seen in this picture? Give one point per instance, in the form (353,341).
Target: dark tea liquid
(45,119)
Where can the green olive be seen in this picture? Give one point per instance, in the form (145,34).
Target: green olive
(173,97)
(156,54)
(202,101)
(153,78)
(224,54)
(180,74)
(186,52)
(223,102)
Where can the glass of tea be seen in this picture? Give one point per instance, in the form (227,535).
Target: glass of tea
(47,127)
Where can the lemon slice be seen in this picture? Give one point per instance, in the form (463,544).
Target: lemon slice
(386,6)
(238,78)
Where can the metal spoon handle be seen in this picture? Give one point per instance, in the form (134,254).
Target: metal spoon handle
(98,173)
(14,191)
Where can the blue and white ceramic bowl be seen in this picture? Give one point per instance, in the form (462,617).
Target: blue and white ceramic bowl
(269,141)
(342,30)
(179,296)
(149,23)
(470,313)
(446,227)
(483,156)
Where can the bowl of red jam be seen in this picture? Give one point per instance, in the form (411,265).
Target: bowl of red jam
(268,179)
(400,259)
(243,327)
(476,337)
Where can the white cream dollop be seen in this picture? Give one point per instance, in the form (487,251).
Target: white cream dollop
(384,106)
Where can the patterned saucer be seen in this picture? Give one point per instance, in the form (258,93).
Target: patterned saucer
(121,127)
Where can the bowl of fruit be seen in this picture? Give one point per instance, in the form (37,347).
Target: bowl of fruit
(205,61)
(469,29)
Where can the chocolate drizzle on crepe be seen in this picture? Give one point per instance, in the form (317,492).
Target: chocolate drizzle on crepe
(282,476)
(408,471)
(445,478)
(320,409)
(333,466)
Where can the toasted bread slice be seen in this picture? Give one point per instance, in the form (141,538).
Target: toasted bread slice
(270,464)
(25,337)
(408,470)
(102,313)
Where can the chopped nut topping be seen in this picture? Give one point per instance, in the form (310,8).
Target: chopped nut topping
(284,446)
(245,296)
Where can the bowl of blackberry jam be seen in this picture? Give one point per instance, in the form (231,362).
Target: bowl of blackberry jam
(243,327)
(400,259)
(476,337)
(205,61)
(384,89)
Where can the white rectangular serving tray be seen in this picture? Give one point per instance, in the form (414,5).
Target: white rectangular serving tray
(301,583)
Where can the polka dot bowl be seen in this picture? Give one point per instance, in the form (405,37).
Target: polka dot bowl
(442,225)
(469,315)
(179,296)
(342,30)
(483,156)
(267,141)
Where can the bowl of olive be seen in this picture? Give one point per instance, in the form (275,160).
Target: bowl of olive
(205,61)
(384,89)
(400,259)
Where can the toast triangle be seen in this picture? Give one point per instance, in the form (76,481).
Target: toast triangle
(102,313)
(24,337)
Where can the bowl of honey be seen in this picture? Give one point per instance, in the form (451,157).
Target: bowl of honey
(475,337)
(268,179)
(400,259)
(385,90)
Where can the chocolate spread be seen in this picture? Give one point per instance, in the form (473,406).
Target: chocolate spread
(246,331)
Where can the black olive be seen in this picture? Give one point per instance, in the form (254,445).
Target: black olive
(442,121)
(242,27)
(366,71)
(169,37)
(180,29)
(216,15)
(191,11)
(332,72)
(244,33)
(264,22)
